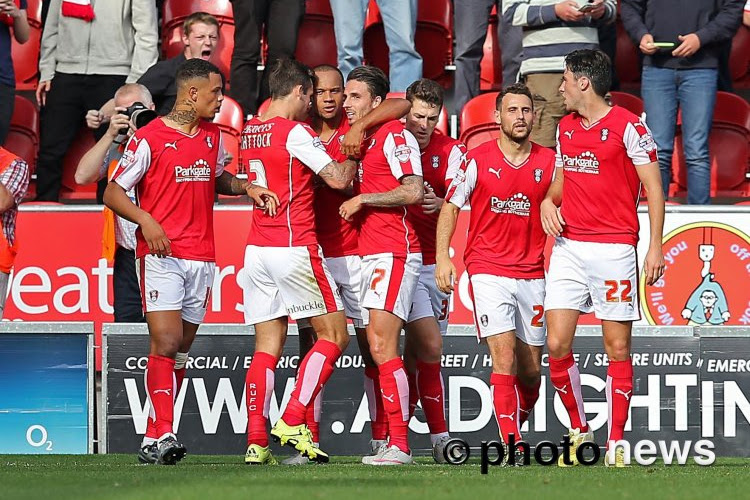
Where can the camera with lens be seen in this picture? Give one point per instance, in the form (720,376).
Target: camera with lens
(139,116)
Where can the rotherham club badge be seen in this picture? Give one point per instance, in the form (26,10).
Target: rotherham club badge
(435,161)
(209,142)
(538,174)
(153,295)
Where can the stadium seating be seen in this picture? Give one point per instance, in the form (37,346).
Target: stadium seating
(433,38)
(316,42)
(26,56)
(627,60)
(729,145)
(83,142)
(630,102)
(739,59)
(174,14)
(23,137)
(442,125)
(230,121)
(491,66)
(478,120)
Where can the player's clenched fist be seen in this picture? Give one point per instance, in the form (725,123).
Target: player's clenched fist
(350,207)
(445,274)
(552,221)
(263,198)
(156,238)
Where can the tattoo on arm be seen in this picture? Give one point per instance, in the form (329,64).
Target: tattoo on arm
(338,175)
(410,192)
(228,184)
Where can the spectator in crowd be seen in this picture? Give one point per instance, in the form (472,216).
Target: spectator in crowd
(471,20)
(400,23)
(281,19)
(200,34)
(118,236)
(87,54)
(552,29)
(14,182)
(682,75)
(12,14)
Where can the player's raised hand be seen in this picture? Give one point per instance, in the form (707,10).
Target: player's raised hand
(431,204)
(351,143)
(156,238)
(653,266)
(350,207)
(552,221)
(263,198)
(445,274)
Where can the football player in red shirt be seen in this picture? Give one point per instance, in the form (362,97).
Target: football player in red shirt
(389,183)
(442,157)
(176,164)
(285,273)
(338,237)
(604,154)
(504,180)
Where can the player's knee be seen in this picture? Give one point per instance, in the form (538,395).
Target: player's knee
(558,348)
(529,377)
(167,347)
(431,352)
(503,361)
(618,350)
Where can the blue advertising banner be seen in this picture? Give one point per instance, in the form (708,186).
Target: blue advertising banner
(46,402)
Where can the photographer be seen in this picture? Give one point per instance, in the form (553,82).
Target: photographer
(118,238)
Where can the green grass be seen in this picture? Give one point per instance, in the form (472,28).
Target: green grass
(54,477)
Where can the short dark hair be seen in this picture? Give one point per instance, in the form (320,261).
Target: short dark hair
(594,65)
(327,67)
(426,90)
(372,76)
(195,68)
(516,88)
(285,74)
(198,17)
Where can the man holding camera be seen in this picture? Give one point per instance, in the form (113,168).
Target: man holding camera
(118,236)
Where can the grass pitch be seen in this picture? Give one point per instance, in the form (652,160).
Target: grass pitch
(54,477)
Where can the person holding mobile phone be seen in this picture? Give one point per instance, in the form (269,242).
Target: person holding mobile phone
(551,29)
(682,77)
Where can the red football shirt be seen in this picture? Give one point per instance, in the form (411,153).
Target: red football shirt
(601,188)
(505,227)
(174,176)
(441,159)
(336,235)
(392,153)
(283,155)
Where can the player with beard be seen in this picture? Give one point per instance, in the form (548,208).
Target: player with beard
(442,157)
(389,182)
(504,181)
(337,236)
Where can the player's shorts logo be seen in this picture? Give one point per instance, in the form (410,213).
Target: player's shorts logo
(484,320)
(153,295)
(705,279)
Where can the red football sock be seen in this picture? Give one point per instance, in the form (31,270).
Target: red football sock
(432,395)
(312,417)
(505,399)
(394,385)
(259,388)
(378,419)
(314,372)
(413,392)
(179,375)
(527,395)
(567,381)
(161,389)
(619,392)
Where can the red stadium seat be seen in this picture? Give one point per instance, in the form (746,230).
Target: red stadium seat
(26,57)
(729,146)
(175,11)
(83,142)
(739,59)
(491,66)
(316,41)
(442,125)
(630,102)
(230,121)
(433,38)
(264,106)
(627,60)
(23,137)
(478,120)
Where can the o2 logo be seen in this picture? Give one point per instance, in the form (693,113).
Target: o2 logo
(36,436)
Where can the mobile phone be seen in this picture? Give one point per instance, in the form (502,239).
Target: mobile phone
(664,45)
(586,8)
